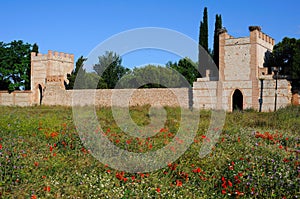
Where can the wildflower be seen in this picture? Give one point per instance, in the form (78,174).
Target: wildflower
(224,185)
(223,191)
(285,160)
(281,147)
(223,179)
(47,188)
(54,134)
(33,197)
(128,141)
(203,136)
(172,166)
(158,190)
(0,146)
(36,164)
(198,170)
(172,148)
(229,183)
(178,183)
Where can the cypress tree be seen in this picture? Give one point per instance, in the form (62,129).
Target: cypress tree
(218,26)
(203,42)
(204,31)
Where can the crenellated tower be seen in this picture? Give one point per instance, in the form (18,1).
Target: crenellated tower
(49,70)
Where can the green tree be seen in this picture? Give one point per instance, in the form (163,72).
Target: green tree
(203,35)
(218,26)
(203,44)
(110,69)
(286,55)
(152,76)
(15,65)
(77,74)
(35,48)
(93,80)
(187,68)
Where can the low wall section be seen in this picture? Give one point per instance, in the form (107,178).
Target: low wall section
(16,98)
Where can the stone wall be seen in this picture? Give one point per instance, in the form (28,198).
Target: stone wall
(284,95)
(173,97)
(16,98)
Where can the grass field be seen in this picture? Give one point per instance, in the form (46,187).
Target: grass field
(42,156)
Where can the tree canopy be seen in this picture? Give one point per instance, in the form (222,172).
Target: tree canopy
(286,55)
(151,76)
(84,80)
(187,68)
(15,65)
(110,69)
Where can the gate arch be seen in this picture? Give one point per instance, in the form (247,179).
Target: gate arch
(237,100)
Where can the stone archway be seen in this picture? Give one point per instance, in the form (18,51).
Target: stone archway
(237,100)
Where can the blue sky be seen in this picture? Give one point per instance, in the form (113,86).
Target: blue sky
(79,26)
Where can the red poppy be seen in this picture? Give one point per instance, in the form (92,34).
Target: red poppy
(47,188)
(223,191)
(33,197)
(224,185)
(178,183)
(128,141)
(0,146)
(285,160)
(229,183)
(150,146)
(198,170)
(158,190)
(54,134)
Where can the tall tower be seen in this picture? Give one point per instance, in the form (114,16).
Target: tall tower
(49,70)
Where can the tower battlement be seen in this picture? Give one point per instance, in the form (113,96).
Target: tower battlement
(256,30)
(52,55)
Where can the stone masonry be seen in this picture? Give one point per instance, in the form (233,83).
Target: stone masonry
(242,79)
(243,82)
